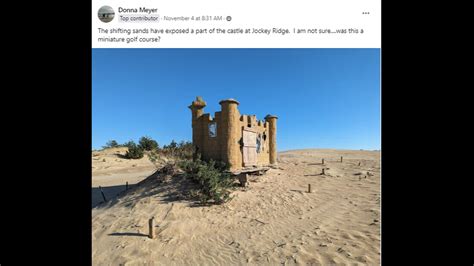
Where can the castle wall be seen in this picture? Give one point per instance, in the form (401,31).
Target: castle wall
(209,145)
(227,145)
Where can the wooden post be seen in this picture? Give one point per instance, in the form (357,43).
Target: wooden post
(323,173)
(359,163)
(309,188)
(341,159)
(243,178)
(103,195)
(126,186)
(151,225)
(322,162)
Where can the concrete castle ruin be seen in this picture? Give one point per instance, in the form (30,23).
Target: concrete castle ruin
(239,140)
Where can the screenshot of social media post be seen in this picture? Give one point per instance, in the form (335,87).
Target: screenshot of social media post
(236,132)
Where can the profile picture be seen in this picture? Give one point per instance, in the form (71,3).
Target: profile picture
(106,14)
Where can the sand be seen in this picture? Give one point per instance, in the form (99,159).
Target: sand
(112,161)
(272,221)
(111,170)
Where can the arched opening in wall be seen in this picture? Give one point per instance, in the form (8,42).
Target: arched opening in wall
(213,130)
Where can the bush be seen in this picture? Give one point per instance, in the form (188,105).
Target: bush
(214,184)
(183,150)
(148,144)
(111,144)
(153,157)
(134,151)
(173,144)
(129,144)
(170,149)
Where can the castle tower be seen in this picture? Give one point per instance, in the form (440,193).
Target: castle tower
(272,120)
(230,128)
(197,111)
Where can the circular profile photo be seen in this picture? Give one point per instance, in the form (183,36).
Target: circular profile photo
(106,14)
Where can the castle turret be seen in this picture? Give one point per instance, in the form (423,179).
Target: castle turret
(272,120)
(230,128)
(197,111)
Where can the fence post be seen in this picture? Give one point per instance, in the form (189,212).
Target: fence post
(103,195)
(151,225)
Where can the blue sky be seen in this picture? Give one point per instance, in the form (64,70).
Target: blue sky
(324,98)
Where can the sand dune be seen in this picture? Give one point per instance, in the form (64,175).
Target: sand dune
(273,221)
(112,161)
(111,170)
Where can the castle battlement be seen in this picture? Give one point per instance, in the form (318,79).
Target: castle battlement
(240,140)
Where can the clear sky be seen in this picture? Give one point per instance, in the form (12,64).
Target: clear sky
(324,98)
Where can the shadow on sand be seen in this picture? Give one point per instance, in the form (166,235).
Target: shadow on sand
(170,187)
(297,190)
(127,234)
(109,192)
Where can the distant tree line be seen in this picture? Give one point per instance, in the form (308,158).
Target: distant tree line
(183,149)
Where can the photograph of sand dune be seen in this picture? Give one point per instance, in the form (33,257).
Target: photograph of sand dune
(236,157)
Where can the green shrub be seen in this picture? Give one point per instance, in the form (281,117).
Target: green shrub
(111,144)
(183,150)
(170,149)
(173,144)
(134,151)
(129,144)
(148,144)
(213,182)
(153,156)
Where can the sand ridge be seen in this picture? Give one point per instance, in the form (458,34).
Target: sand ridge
(111,171)
(112,161)
(272,221)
